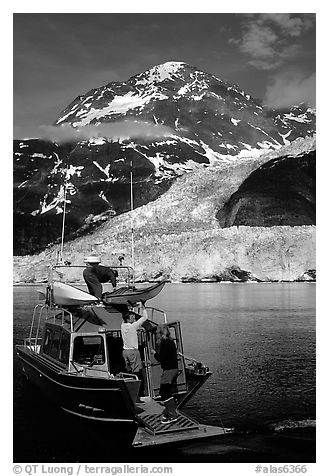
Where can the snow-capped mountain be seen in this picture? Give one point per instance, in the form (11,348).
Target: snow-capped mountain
(210,116)
(166,121)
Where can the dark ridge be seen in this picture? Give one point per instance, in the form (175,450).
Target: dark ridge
(280,192)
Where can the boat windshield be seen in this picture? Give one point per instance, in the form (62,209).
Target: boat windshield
(89,350)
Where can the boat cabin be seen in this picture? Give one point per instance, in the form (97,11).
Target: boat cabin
(86,340)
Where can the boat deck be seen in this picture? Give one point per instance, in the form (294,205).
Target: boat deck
(154,433)
(150,413)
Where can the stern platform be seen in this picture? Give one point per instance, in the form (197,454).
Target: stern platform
(153,432)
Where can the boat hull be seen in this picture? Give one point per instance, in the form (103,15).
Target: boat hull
(67,295)
(101,399)
(107,403)
(131,296)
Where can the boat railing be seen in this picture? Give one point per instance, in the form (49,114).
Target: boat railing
(126,375)
(35,328)
(33,343)
(84,369)
(68,269)
(44,312)
(156,315)
(60,313)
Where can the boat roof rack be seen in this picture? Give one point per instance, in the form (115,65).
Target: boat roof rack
(70,270)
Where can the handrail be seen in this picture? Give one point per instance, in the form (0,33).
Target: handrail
(127,375)
(152,309)
(42,307)
(131,277)
(32,342)
(70,316)
(86,367)
(39,321)
(187,357)
(62,312)
(33,318)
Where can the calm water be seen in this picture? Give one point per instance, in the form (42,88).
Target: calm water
(259,342)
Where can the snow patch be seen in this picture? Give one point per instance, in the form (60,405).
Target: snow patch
(266,145)
(284,137)
(73,170)
(211,155)
(161,72)
(302,118)
(40,156)
(103,197)
(105,170)
(119,105)
(200,88)
(235,121)
(97,141)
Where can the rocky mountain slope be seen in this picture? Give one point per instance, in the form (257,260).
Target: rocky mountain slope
(179,237)
(167,121)
(280,192)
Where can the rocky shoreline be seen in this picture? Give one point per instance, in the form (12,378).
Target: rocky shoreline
(229,276)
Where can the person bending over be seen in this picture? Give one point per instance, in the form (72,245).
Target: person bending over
(95,274)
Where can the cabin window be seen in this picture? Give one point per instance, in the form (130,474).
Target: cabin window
(89,350)
(55,344)
(64,348)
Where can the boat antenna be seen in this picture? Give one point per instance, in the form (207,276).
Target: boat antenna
(64,214)
(60,254)
(132,219)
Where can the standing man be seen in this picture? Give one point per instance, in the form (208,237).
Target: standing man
(166,354)
(95,274)
(130,353)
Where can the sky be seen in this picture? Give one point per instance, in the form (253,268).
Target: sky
(58,56)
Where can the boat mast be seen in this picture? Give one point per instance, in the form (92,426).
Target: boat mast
(132,220)
(60,257)
(63,221)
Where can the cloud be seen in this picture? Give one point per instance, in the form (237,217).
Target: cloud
(111,131)
(259,44)
(268,39)
(290,88)
(290,25)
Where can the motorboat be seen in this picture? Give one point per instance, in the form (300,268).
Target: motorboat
(73,354)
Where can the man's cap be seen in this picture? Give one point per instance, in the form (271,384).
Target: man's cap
(92,259)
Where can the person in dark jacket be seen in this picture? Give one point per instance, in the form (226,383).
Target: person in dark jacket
(95,274)
(166,354)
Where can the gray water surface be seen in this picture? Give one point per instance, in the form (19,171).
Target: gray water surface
(257,339)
